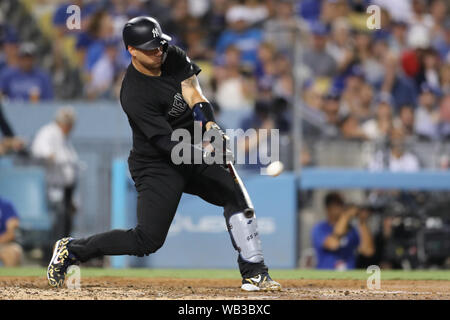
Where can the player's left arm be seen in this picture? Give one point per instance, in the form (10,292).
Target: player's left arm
(203,111)
(193,95)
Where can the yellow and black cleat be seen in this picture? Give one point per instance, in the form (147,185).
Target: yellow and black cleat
(61,260)
(260,282)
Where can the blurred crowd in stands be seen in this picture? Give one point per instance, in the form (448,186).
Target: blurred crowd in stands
(356,83)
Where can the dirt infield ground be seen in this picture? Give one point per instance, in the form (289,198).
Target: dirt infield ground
(98,288)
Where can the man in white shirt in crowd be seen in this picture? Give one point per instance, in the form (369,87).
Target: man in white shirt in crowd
(427,115)
(396,158)
(52,146)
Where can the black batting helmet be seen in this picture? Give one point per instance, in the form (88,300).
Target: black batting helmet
(144,33)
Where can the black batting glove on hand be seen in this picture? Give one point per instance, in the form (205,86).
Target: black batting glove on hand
(220,151)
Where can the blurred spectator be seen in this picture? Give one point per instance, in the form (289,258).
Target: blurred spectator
(105,73)
(284,82)
(353,86)
(121,11)
(100,28)
(196,42)
(442,45)
(438,11)
(280,30)
(332,10)
(399,10)
(406,121)
(379,127)
(310,10)
(240,34)
(444,118)
(267,115)
(395,158)
(178,18)
(419,14)
(365,108)
(9,44)
(60,15)
(82,38)
(316,57)
(340,47)
(350,128)
(235,86)
(251,145)
(312,95)
(52,146)
(431,68)
(215,19)
(336,242)
(26,82)
(267,112)
(10,252)
(331,111)
(427,116)
(257,11)
(398,41)
(368,55)
(445,78)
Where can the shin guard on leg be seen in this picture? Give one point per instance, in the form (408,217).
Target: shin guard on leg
(244,234)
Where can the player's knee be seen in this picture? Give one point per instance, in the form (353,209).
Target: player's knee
(146,243)
(231,208)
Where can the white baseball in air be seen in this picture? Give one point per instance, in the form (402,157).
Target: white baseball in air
(275,168)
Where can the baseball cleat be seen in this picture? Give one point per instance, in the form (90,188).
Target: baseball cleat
(261,282)
(61,260)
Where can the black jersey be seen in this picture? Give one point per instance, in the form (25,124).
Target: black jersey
(154,104)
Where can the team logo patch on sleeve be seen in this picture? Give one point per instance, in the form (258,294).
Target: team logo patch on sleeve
(179,105)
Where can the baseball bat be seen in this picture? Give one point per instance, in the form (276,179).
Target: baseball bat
(250,210)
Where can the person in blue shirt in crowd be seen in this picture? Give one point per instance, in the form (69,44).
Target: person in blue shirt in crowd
(9,46)
(242,35)
(336,242)
(26,81)
(10,251)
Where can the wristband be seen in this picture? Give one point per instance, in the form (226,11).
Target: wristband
(203,112)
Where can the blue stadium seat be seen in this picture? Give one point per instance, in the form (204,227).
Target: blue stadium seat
(25,187)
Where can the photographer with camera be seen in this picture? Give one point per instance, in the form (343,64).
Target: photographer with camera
(336,242)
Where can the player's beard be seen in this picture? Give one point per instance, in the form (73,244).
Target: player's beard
(156,66)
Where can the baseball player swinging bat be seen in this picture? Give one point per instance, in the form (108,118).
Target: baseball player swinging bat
(159,94)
